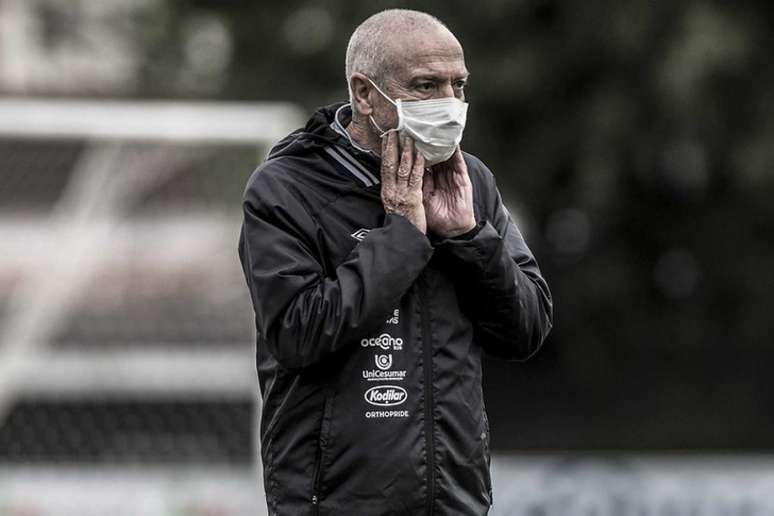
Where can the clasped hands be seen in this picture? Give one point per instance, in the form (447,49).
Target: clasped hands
(438,199)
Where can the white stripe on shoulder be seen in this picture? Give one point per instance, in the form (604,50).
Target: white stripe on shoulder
(356,163)
(352,170)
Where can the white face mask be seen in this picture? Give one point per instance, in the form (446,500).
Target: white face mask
(435,125)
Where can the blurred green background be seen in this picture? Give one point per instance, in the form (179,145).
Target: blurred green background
(633,142)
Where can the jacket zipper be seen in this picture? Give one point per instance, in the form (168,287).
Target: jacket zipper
(427,348)
(488,457)
(318,461)
(317,467)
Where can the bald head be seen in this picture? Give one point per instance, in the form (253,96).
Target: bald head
(382,41)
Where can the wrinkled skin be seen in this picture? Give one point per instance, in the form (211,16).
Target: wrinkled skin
(402,181)
(447,197)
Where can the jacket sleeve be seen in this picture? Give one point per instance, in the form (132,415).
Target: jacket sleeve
(500,282)
(302,314)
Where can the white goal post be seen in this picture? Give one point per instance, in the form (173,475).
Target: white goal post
(99,120)
(85,218)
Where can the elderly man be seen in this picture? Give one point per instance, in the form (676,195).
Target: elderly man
(381,263)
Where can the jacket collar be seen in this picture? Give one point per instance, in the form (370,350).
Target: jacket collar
(362,163)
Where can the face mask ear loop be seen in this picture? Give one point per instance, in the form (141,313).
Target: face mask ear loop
(383,132)
(397,106)
(382,93)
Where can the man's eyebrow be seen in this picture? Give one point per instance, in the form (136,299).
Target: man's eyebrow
(438,77)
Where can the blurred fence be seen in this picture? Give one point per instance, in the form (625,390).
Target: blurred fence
(633,485)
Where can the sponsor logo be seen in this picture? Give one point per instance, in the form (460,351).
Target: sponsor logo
(360,234)
(395,317)
(386,395)
(383,362)
(376,375)
(384,341)
(373,414)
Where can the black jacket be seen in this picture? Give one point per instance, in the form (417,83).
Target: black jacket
(370,334)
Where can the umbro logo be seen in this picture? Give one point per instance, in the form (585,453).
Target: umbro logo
(360,234)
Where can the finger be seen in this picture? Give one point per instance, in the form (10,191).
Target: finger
(417,171)
(389,159)
(456,158)
(406,162)
(461,177)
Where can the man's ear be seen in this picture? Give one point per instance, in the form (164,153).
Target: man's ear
(361,89)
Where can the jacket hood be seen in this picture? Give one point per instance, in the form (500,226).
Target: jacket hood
(317,133)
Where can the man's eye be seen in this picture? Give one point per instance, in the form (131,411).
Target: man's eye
(460,84)
(425,86)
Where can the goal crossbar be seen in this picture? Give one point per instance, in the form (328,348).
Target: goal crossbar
(218,122)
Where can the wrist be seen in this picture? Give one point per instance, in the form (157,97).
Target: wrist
(415,219)
(463,231)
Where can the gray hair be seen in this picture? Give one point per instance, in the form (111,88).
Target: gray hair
(366,49)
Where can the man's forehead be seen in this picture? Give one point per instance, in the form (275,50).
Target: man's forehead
(437,69)
(434,54)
